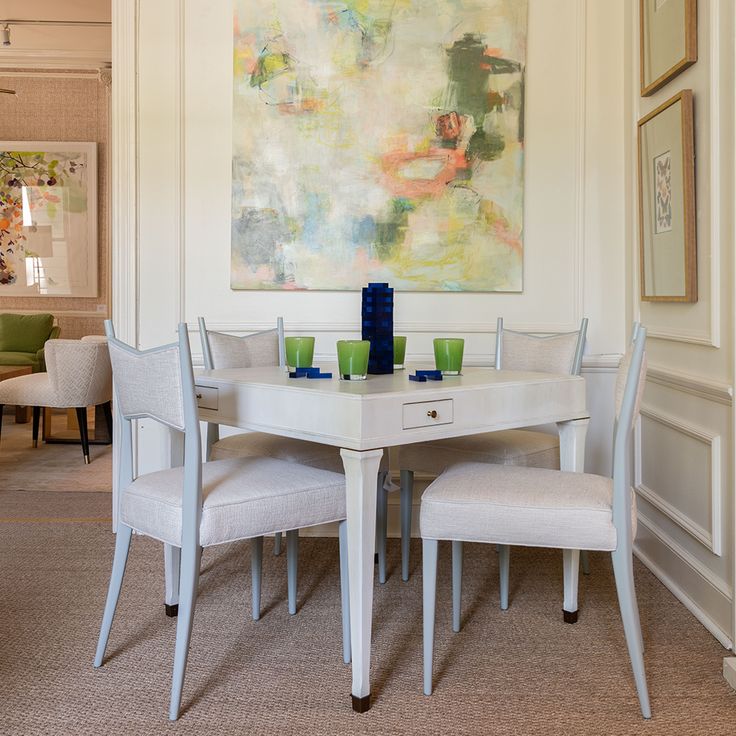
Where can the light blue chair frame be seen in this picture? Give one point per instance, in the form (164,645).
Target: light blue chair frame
(621,557)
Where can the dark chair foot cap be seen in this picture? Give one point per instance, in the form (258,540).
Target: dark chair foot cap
(570,617)
(361,705)
(172,611)
(375,558)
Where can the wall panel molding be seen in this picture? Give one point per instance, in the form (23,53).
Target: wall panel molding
(711,539)
(700,386)
(54,58)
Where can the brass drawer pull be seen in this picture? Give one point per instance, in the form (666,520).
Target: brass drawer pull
(432,414)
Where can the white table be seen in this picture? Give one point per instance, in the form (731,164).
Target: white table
(364,417)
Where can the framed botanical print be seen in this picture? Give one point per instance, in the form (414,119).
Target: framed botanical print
(668,34)
(48,219)
(667,240)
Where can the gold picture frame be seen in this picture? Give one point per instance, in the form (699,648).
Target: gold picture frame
(668,41)
(667,234)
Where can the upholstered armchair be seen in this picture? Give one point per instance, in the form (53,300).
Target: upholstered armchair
(22,339)
(79,375)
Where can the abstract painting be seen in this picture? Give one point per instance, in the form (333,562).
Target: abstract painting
(378,140)
(48,219)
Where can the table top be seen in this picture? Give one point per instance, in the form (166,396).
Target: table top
(13,371)
(377,386)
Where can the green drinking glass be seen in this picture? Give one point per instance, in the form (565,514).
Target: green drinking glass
(448,355)
(299,352)
(399,352)
(352,359)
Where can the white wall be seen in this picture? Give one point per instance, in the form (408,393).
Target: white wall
(685,464)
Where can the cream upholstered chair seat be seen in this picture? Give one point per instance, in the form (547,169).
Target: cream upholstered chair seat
(532,507)
(509,447)
(283,448)
(241,498)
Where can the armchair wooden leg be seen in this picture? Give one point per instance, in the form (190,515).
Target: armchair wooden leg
(82,419)
(2,406)
(107,409)
(36,420)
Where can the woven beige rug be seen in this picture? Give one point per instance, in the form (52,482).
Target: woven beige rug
(50,467)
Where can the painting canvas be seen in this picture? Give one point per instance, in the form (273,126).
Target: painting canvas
(378,140)
(48,219)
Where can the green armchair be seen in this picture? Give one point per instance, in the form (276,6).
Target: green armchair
(22,339)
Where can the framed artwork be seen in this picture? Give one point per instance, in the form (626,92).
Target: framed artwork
(667,245)
(48,219)
(378,142)
(668,41)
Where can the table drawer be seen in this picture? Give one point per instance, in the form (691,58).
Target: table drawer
(427,413)
(206,397)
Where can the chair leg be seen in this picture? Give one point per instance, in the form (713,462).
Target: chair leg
(570,569)
(82,420)
(122,547)
(2,406)
(429,582)
(256,567)
(190,561)
(345,592)
(457,583)
(381,524)
(107,411)
(504,559)
(36,422)
(585,561)
(277,544)
(292,561)
(624,575)
(407,495)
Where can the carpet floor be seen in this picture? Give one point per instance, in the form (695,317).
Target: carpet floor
(521,672)
(50,467)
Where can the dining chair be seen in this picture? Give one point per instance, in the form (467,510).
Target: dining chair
(538,507)
(201,505)
(78,375)
(220,350)
(515,351)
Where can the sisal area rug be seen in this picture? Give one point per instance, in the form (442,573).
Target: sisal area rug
(50,467)
(520,672)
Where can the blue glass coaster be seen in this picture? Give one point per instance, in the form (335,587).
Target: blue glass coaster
(430,375)
(312,372)
(319,375)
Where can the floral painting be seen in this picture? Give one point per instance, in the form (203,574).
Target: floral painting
(48,219)
(663,192)
(378,140)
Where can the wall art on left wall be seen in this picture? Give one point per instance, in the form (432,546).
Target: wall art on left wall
(48,219)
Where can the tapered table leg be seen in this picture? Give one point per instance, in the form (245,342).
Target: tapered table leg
(361,469)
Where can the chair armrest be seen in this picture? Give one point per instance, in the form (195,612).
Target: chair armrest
(55,332)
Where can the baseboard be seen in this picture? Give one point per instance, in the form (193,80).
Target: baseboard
(674,588)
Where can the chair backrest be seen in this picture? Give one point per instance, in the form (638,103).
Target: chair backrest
(79,372)
(630,382)
(251,351)
(159,383)
(524,351)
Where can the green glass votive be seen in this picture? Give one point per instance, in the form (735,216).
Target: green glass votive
(399,352)
(299,352)
(448,355)
(352,359)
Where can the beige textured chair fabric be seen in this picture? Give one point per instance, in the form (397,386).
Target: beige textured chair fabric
(533,507)
(510,447)
(550,354)
(242,498)
(149,384)
(251,351)
(78,375)
(254,444)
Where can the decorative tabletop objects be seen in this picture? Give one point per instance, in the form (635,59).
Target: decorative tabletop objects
(352,359)
(299,352)
(378,326)
(448,355)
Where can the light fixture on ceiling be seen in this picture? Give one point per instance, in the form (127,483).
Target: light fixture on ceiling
(5,31)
